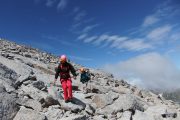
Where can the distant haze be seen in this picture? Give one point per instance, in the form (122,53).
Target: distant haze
(151,70)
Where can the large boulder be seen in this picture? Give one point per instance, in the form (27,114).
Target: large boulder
(6,72)
(127,115)
(29,114)
(123,103)
(8,106)
(30,103)
(38,84)
(142,116)
(54,113)
(75,106)
(161,111)
(32,92)
(102,100)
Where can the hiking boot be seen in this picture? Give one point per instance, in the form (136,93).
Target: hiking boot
(66,101)
(70,100)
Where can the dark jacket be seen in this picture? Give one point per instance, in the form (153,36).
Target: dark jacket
(85,77)
(64,70)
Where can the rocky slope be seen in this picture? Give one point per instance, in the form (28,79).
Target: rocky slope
(26,92)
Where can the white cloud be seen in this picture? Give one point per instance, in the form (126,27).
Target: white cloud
(62,4)
(76,25)
(134,45)
(82,36)
(90,39)
(101,39)
(89,28)
(150,70)
(164,11)
(115,41)
(159,33)
(175,37)
(150,20)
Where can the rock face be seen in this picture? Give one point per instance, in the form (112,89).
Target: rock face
(8,107)
(26,92)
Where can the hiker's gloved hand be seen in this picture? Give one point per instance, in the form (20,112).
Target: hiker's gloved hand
(74,77)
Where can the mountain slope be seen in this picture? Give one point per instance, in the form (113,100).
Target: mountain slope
(26,93)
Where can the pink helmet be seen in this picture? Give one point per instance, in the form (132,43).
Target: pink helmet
(63,58)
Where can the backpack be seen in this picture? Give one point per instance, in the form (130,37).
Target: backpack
(85,77)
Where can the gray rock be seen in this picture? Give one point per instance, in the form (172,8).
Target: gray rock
(38,84)
(24,78)
(127,115)
(29,114)
(161,111)
(111,117)
(103,100)
(48,101)
(15,52)
(119,114)
(7,84)
(54,113)
(8,73)
(145,93)
(8,106)
(89,109)
(142,116)
(123,103)
(33,92)
(121,90)
(76,117)
(27,55)
(75,106)
(30,103)
(103,81)
(99,117)
(98,89)
(2,88)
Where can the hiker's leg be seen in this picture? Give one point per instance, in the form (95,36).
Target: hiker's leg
(64,86)
(69,85)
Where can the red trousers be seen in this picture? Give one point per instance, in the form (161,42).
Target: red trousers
(67,88)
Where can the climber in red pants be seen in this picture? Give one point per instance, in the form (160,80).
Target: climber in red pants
(63,71)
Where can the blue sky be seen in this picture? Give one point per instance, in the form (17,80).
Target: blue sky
(108,34)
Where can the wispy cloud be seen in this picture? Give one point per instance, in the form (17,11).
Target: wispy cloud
(159,33)
(162,12)
(62,4)
(80,58)
(80,15)
(149,20)
(89,28)
(150,70)
(154,29)
(90,39)
(82,36)
(135,45)
(118,42)
(175,37)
